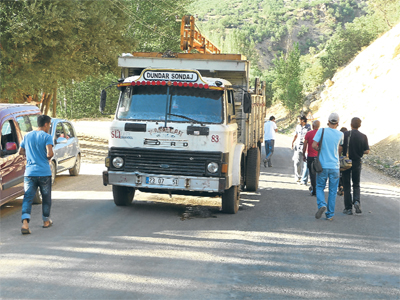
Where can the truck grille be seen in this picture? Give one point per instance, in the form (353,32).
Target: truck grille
(169,162)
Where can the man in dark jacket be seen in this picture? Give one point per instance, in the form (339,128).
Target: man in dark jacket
(358,147)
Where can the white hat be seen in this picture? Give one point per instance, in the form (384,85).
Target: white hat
(333,118)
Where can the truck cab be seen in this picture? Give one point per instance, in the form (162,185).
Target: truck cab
(178,131)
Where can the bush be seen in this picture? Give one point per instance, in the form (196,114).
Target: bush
(81,99)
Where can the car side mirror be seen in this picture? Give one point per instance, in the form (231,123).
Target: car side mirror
(103,99)
(247,103)
(61,140)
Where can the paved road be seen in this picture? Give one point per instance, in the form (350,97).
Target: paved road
(161,248)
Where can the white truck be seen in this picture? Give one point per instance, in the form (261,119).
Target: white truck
(185,124)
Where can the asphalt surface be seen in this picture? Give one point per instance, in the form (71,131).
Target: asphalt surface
(185,248)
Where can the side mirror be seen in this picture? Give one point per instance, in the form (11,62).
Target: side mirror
(247,103)
(61,140)
(103,99)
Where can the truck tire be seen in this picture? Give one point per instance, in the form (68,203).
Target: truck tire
(38,197)
(252,169)
(230,200)
(123,195)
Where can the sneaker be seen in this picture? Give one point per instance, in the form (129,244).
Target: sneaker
(348,211)
(357,207)
(320,211)
(265,163)
(329,219)
(340,191)
(310,190)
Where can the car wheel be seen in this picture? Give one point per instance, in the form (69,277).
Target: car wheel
(53,172)
(77,167)
(38,197)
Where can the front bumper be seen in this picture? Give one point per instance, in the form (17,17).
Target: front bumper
(184,183)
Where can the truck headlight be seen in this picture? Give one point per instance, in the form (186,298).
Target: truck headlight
(118,162)
(212,167)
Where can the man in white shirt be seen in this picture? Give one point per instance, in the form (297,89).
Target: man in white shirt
(301,130)
(269,137)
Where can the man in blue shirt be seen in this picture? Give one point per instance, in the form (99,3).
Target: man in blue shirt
(330,148)
(37,145)
(269,137)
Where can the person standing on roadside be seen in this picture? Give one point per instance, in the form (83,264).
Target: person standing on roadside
(29,100)
(270,129)
(357,147)
(311,154)
(330,148)
(37,145)
(301,129)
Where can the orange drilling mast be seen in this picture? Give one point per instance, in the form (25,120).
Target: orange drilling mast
(193,39)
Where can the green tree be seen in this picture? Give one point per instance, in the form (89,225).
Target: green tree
(46,44)
(287,85)
(388,10)
(154,23)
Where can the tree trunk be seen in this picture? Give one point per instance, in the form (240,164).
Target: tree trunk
(46,104)
(54,102)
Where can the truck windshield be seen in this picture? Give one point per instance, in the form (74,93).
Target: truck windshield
(155,103)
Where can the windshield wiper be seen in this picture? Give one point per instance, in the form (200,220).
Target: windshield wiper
(187,118)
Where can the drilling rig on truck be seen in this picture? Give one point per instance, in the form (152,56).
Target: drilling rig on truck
(186,123)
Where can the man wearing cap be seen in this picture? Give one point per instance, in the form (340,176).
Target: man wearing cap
(330,148)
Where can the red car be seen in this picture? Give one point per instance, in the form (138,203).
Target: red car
(15,121)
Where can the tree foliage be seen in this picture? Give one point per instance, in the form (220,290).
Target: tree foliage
(153,23)
(47,43)
(287,85)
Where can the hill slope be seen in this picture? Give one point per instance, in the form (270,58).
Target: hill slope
(367,88)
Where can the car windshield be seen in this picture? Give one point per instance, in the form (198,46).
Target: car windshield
(179,104)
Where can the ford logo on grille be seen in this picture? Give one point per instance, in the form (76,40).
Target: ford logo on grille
(164,166)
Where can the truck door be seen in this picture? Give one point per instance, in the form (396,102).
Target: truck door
(231,118)
(12,167)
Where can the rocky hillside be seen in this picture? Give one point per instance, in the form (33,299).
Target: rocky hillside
(368,88)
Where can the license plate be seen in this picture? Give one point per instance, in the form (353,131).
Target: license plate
(162,181)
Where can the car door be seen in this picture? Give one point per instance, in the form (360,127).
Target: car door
(60,148)
(72,144)
(12,166)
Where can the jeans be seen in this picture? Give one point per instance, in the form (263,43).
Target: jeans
(353,174)
(298,164)
(269,150)
(304,177)
(31,184)
(312,174)
(333,175)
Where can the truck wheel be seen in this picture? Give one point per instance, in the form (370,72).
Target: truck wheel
(252,169)
(38,197)
(75,170)
(230,200)
(123,195)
